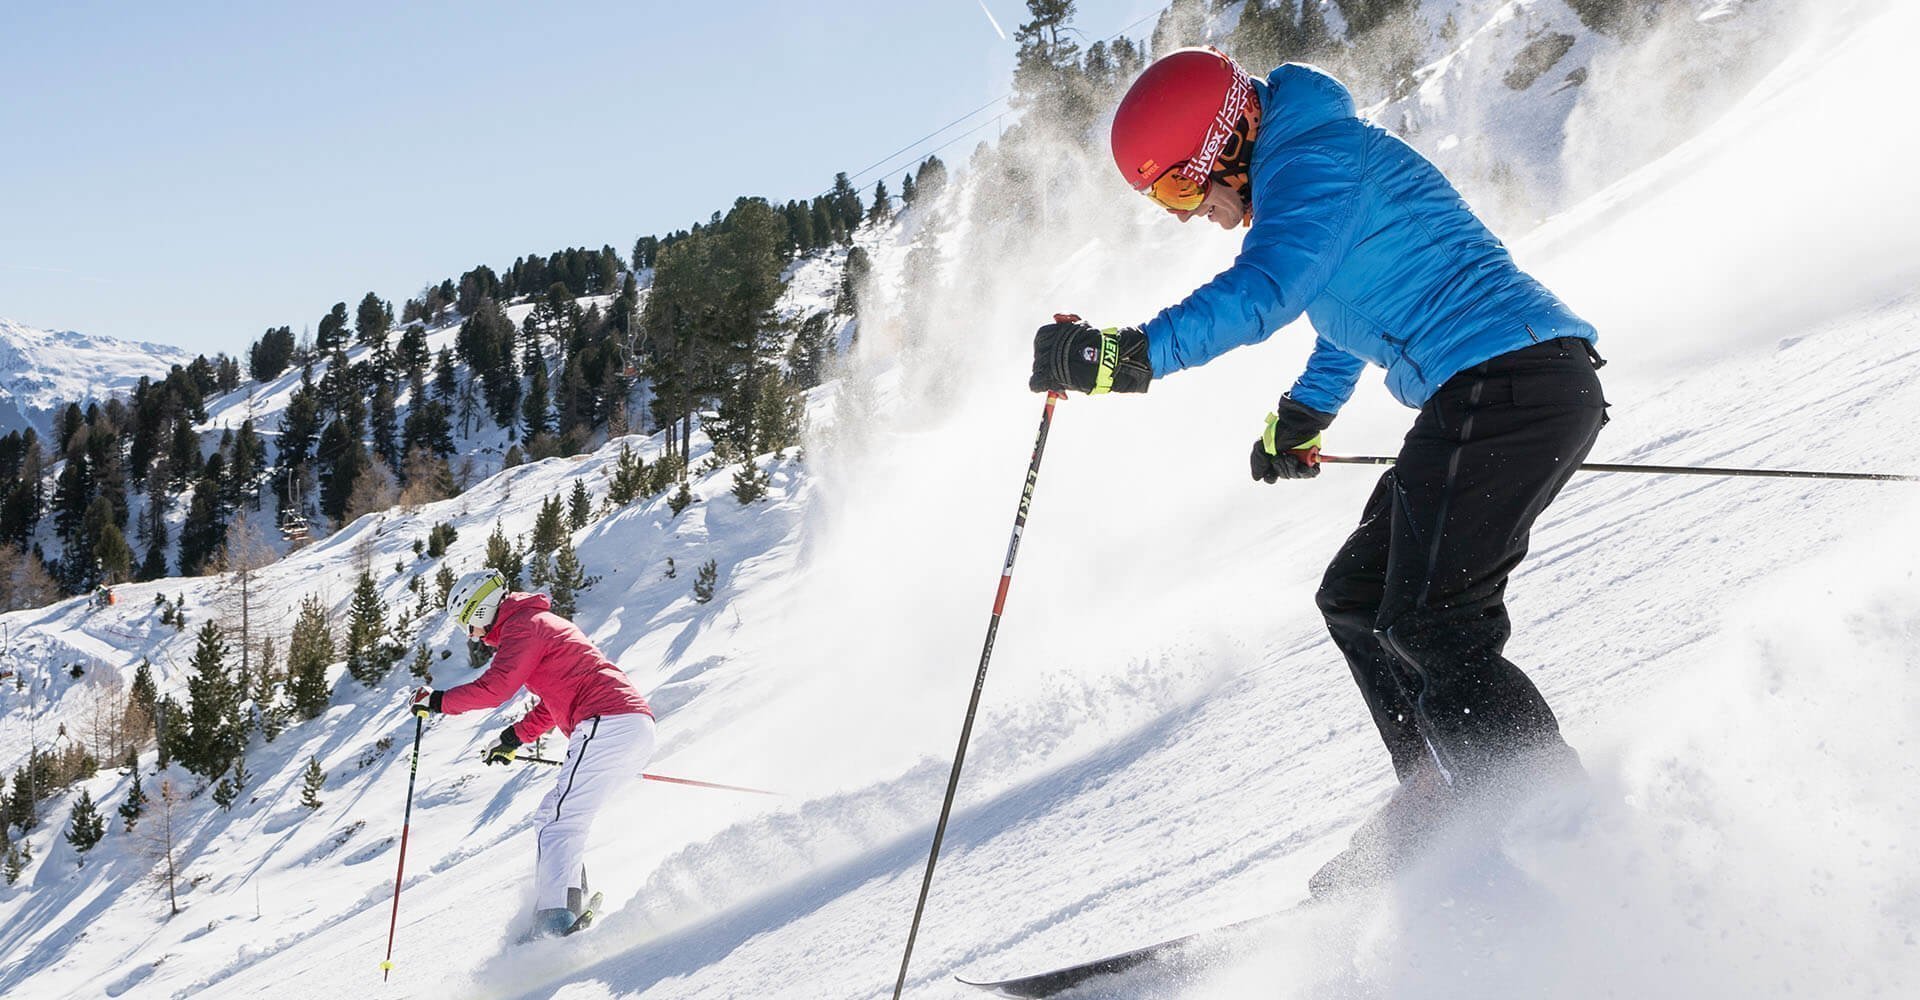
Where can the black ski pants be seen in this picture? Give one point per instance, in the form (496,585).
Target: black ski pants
(1415,599)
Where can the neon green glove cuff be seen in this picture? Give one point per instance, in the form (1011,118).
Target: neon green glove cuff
(1273,447)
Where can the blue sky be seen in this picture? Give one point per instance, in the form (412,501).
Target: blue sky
(193,173)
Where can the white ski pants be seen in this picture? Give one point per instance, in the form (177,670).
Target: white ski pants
(605,756)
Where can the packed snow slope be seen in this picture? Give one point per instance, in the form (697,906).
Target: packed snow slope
(1167,740)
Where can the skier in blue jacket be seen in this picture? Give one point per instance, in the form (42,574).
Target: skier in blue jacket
(1350,226)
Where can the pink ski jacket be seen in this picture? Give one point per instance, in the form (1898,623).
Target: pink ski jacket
(549,656)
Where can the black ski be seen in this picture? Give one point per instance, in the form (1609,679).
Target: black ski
(1173,955)
(585,919)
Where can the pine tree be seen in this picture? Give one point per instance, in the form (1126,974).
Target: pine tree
(269,355)
(799,227)
(386,421)
(86,828)
(824,231)
(314,781)
(749,482)
(501,555)
(372,320)
(845,199)
(266,688)
(930,178)
(1047,78)
(18,857)
(1314,36)
(882,211)
(853,281)
(628,479)
(485,343)
(142,697)
(548,526)
(368,655)
(443,581)
(135,804)
(439,537)
(680,499)
(446,382)
(1267,33)
(213,736)
(154,566)
(73,493)
(273,720)
(539,570)
(342,460)
(412,355)
(224,793)
(569,580)
(299,426)
(706,581)
(422,665)
(534,408)
(203,532)
(580,504)
(331,334)
(309,651)
(21,811)
(112,556)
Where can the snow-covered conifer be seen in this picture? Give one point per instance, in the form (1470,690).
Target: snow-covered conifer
(85,829)
(369,656)
(134,806)
(314,780)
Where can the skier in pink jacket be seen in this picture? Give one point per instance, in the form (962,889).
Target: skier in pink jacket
(608,725)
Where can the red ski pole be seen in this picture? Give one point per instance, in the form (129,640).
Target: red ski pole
(406,823)
(979,682)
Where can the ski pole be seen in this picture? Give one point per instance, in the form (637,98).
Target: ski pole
(1669,470)
(661,777)
(979,682)
(413,771)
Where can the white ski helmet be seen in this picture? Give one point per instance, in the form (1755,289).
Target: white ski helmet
(475,600)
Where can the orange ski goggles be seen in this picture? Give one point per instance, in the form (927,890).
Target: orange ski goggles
(1175,191)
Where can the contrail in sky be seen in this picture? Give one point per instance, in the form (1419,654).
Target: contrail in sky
(990,20)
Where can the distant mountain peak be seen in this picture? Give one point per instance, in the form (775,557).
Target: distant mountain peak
(41,371)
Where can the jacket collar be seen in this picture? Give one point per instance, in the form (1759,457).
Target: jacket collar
(512,605)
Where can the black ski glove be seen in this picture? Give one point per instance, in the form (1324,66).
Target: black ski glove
(1290,448)
(502,752)
(1069,354)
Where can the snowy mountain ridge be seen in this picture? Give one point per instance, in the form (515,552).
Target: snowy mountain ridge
(42,371)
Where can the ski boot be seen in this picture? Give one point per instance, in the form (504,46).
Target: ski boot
(1388,839)
(552,923)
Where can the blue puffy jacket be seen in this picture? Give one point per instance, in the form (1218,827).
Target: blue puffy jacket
(1360,232)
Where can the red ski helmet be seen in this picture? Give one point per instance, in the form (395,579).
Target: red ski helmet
(1175,120)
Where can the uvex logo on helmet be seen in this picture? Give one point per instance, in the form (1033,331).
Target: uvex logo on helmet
(1179,113)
